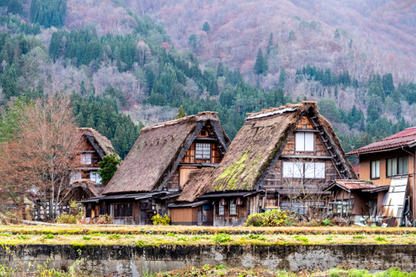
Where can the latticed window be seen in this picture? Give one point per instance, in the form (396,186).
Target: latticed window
(221,210)
(233,207)
(203,151)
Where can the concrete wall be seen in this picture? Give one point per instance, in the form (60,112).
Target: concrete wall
(132,259)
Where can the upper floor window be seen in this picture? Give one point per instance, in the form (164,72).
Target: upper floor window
(375,169)
(86,159)
(95,177)
(397,166)
(203,151)
(304,141)
(307,170)
(75,176)
(292,170)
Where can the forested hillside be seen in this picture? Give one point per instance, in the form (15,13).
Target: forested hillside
(121,68)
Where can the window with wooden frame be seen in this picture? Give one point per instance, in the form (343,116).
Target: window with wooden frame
(75,176)
(203,151)
(88,212)
(221,210)
(307,170)
(304,142)
(375,169)
(86,159)
(95,177)
(233,207)
(397,166)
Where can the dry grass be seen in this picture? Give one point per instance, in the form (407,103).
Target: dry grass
(150,236)
(192,230)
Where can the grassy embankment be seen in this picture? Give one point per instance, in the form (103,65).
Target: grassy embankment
(149,236)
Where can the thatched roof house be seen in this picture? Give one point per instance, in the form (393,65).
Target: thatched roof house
(80,189)
(258,145)
(100,143)
(159,150)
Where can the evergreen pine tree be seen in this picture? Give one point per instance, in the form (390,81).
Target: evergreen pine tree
(282,77)
(206,27)
(259,64)
(270,45)
(181,113)
(15,7)
(265,64)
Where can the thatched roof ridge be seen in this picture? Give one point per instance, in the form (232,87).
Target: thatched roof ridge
(159,150)
(104,144)
(258,145)
(195,185)
(86,184)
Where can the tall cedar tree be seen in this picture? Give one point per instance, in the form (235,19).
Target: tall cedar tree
(259,64)
(270,44)
(206,27)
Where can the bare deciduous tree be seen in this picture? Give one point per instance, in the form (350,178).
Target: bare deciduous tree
(304,188)
(38,160)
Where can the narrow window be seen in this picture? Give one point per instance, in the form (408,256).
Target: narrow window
(221,210)
(319,170)
(375,169)
(73,177)
(86,159)
(233,207)
(304,142)
(88,213)
(287,170)
(203,151)
(402,165)
(95,177)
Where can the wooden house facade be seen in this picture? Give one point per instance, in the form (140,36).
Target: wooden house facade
(281,157)
(157,167)
(83,182)
(386,162)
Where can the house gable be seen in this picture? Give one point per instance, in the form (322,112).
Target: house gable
(154,159)
(205,150)
(260,143)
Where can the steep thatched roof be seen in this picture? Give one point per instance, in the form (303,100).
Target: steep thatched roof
(101,144)
(85,184)
(258,145)
(195,185)
(159,150)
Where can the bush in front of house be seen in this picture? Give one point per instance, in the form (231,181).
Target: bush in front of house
(66,219)
(269,218)
(161,220)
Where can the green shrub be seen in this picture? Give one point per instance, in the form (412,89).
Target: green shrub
(48,236)
(326,222)
(304,239)
(359,237)
(86,238)
(269,218)
(159,220)
(66,219)
(114,237)
(254,220)
(220,238)
(380,238)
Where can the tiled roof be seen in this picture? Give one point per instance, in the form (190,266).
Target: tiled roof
(402,138)
(350,185)
(355,184)
(357,169)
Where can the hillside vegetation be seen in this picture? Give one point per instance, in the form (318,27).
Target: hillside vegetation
(113,59)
